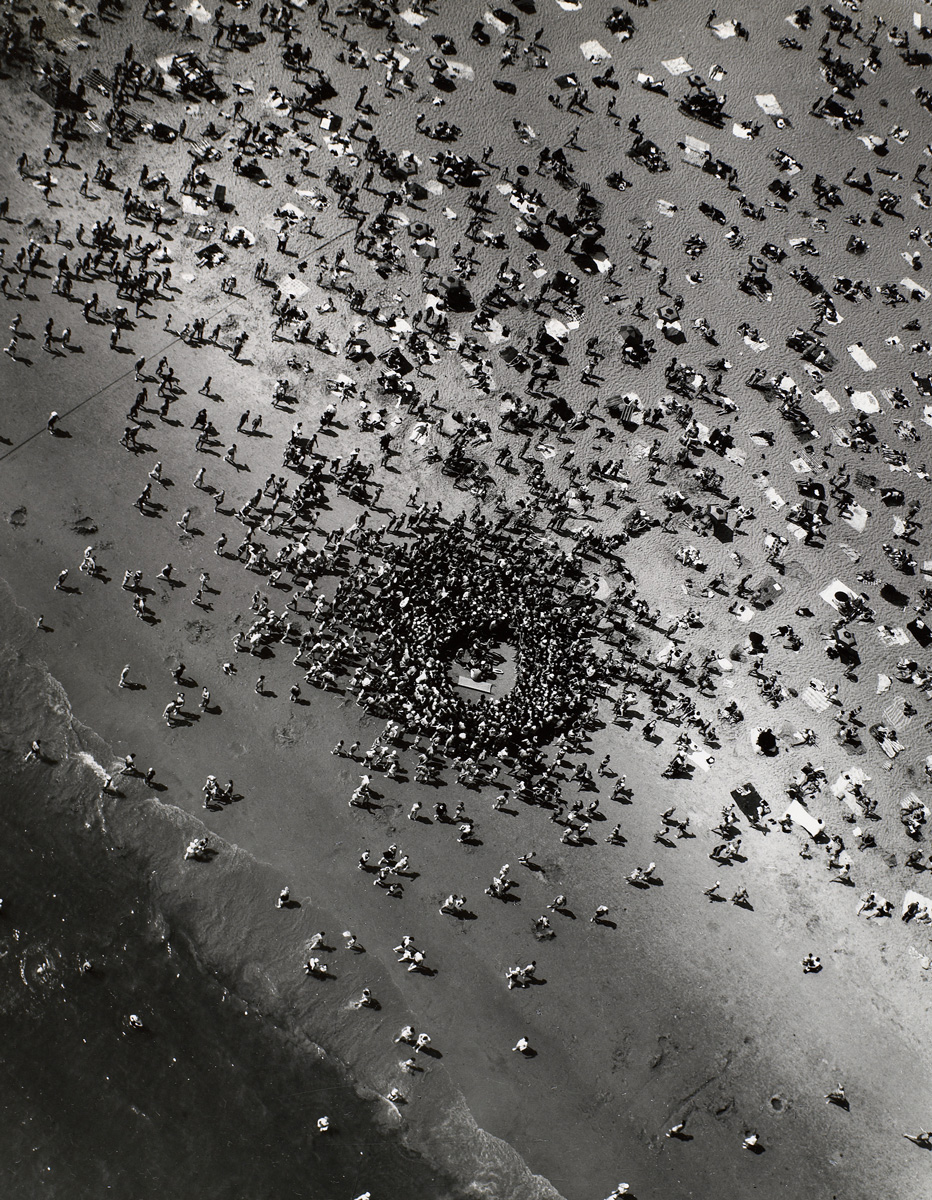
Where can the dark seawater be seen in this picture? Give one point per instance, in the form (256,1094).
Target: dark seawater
(209,1100)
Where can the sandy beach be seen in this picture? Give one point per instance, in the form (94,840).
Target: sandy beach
(675,1008)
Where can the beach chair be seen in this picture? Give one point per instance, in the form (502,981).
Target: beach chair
(97,82)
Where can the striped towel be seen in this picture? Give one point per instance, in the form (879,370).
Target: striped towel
(894,713)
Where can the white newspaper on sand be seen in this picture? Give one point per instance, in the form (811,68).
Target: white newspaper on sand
(861,357)
(769,104)
(827,400)
(594,51)
(774,499)
(916,290)
(857,518)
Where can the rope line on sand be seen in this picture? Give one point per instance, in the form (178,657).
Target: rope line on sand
(160,350)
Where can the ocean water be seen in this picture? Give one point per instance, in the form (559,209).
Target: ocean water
(211,1098)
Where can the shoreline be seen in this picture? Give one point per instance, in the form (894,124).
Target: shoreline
(249,951)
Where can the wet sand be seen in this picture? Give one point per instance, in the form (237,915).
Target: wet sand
(686,1008)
